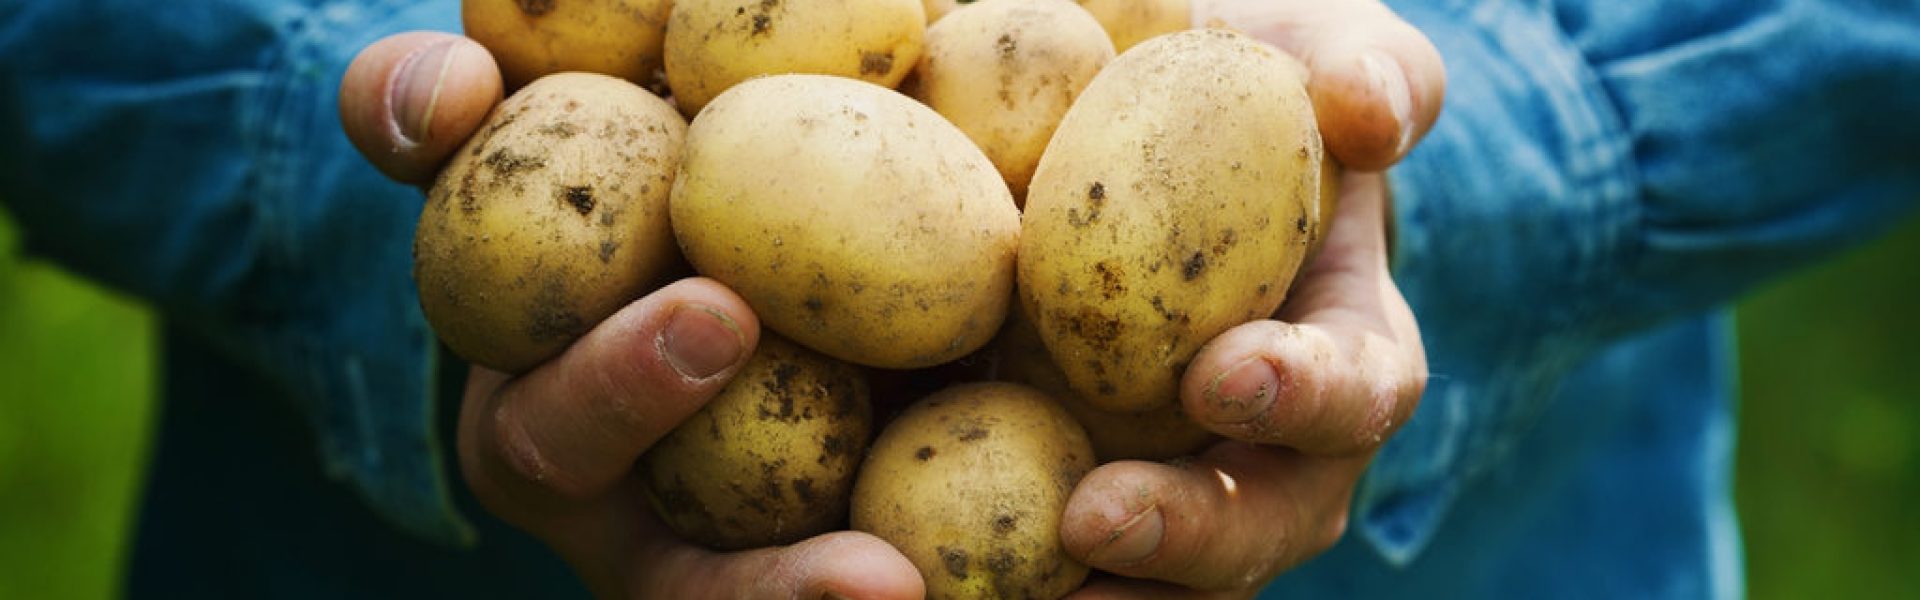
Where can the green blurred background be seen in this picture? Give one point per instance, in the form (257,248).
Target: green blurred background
(1829,427)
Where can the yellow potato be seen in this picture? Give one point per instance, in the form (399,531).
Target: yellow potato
(938,8)
(714,44)
(1175,201)
(533,38)
(1329,203)
(1130,22)
(1005,71)
(549,219)
(853,220)
(970,485)
(771,459)
(1158,434)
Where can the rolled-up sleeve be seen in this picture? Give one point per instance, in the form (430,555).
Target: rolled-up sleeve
(191,154)
(1603,167)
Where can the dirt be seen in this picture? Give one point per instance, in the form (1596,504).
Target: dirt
(579,197)
(552,316)
(1111,279)
(876,63)
(1193,266)
(955,560)
(1005,524)
(535,8)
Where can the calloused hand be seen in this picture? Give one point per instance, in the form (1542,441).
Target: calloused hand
(1306,398)
(552,450)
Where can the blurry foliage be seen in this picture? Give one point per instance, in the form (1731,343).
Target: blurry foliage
(76,381)
(1830,427)
(1829,430)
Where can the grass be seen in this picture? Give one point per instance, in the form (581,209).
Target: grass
(77,378)
(1829,454)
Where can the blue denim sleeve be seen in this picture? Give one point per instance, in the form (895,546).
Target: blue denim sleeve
(190,153)
(1603,166)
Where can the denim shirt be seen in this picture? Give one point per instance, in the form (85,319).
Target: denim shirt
(1605,176)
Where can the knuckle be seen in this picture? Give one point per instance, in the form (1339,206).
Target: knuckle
(516,449)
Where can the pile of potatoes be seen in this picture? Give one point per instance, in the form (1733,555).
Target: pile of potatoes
(1027,242)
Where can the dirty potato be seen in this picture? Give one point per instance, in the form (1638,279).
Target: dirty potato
(970,484)
(1158,434)
(549,219)
(533,38)
(1175,201)
(853,220)
(1130,22)
(1005,71)
(714,44)
(771,459)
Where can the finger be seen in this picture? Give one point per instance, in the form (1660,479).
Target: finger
(1377,83)
(1187,524)
(1340,370)
(1107,586)
(409,100)
(573,426)
(843,564)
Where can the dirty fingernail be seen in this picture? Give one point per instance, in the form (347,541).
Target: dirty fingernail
(1131,542)
(1242,392)
(832,595)
(700,342)
(416,90)
(1386,77)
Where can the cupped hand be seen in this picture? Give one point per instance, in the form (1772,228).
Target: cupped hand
(1306,398)
(552,450)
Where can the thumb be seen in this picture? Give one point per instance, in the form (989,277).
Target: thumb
(1340,369)
(842,564)
(409,100)
(1377,83)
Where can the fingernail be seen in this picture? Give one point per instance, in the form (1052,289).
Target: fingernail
(832,595)
(1386,76)
(1242,392)
(416,90)
(1131,542)
(700,342)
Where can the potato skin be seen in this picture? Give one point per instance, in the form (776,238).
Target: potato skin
(1130,22)
(771,459)
(853,220)
(714,44)
(1005,71)
(970,484)
(1175,201)
(552,217)
(1159,434)
(938,8)
(535,38)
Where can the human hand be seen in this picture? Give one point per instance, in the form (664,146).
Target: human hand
(1304,399)
(552,450)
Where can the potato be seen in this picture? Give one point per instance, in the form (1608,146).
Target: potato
(714,44)
(1130,22)
(970,484)
(938,8)
(549,219)
(771,459)
(1158,434)
(1329,204)
(534,38)
(853,220)
(1005,71)
(1175,201)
